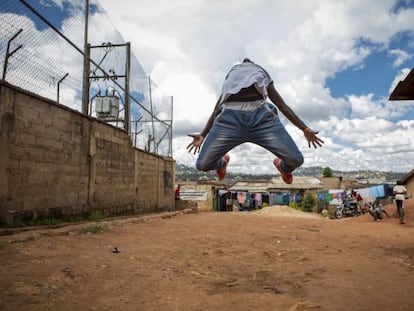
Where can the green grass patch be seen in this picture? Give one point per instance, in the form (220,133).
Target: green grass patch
(97,215)
(53,221)
(17,223)
(49,221)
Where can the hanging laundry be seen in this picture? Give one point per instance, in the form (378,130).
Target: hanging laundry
(241,197)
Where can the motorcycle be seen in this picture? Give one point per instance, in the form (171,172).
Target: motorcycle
(347,209)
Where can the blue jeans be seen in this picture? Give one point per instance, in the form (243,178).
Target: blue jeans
(260,126)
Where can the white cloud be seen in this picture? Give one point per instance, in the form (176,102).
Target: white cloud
(366,106)
(400,57)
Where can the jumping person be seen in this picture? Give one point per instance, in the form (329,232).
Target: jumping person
(241,115)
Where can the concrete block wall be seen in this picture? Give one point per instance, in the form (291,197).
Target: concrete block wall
(153,194)
(56,162)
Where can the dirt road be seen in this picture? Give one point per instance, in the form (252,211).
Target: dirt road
(213,261)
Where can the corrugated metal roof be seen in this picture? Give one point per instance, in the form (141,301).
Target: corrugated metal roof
(277,183)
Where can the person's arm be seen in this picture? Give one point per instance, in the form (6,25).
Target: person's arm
(210,121)
(292,117)
(199,138)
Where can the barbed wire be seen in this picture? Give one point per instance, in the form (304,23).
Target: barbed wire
(46,64)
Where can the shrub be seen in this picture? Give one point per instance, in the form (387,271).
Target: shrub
(308,202)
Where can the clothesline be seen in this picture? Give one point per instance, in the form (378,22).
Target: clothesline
(372,192)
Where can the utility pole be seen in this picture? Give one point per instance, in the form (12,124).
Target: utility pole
(171,133)
(86,65)
(127,95)
(113,76)
(152,112)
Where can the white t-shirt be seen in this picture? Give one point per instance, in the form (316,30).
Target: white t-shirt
(399,192)
(244,75)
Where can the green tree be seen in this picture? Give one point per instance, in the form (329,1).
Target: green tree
(308,202)
(327,172)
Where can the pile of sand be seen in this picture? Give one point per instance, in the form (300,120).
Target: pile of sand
(285,211)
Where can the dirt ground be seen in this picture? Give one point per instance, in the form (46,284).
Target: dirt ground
(276,259)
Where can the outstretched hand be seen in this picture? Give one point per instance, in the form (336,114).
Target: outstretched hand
(312,138)
(195,145)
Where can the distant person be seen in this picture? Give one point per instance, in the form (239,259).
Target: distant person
(347,199)
(177,193)
(229,202)
(344,198)
(399,192)
(241,115)
(358,199)
(377,210)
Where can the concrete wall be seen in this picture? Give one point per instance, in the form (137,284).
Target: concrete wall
(410,187)
(331,182)
(56,162)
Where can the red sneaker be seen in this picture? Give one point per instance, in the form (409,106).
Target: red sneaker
(286,177)
(221,172)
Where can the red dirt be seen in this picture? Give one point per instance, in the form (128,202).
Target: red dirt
(213,261)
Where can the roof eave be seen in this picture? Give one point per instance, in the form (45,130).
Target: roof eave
(404,89)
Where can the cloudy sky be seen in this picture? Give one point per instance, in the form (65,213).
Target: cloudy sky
(335,62)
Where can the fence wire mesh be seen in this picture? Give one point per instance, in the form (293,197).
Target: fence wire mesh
(41,43)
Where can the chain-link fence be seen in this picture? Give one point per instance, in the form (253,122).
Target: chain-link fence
(42,45)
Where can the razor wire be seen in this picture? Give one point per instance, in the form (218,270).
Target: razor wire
(48,65)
